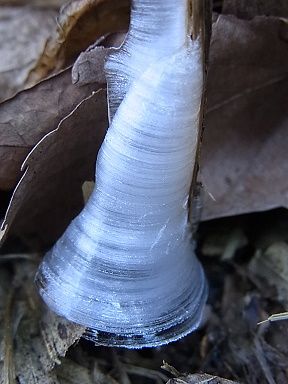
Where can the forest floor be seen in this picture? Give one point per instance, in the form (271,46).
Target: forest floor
(245,259)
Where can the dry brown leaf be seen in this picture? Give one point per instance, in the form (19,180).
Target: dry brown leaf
(35,3)
(272,265)
(26,118)
(247,9)
(89,66)
(80,24)
(32,338)
(245,138)
(49,192)
(21,27)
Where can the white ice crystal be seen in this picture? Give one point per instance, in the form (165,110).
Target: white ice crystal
(125,267)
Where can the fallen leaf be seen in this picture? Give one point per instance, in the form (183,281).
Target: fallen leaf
(21,27)
(37,3)
(80,24)
(246,9)
(26,118)
(54,172)
(272,265)
(33,339)
(89,66)
(245,136)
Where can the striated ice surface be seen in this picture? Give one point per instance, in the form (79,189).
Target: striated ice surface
(157,29)
(125,267)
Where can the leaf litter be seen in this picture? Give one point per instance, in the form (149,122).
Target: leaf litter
(79,24)
(246,122)
(33,339)
(20,27)
(230,343)
(244,175)
(41,178)
(26,118)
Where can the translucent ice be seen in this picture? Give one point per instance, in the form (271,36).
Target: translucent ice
(125,268)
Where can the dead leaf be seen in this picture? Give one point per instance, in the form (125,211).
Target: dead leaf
(272,265)
(33,338)
(54,171)
(35,3)
(246,9)
(26,118)
(245,136)
(89,66)
(21,27)
(80,24)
